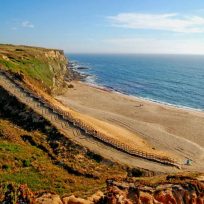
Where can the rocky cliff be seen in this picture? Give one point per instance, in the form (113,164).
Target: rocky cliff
(173,190)
(170,190)
(58,65)
(47,68)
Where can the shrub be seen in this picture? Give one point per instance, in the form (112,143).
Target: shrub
(70,86)
(6,167)
(19,50)
(26,163)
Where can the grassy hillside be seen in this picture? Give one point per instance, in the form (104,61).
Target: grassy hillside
(33,152)
(24,163)
(47,67)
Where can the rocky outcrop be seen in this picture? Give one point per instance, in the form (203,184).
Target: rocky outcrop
(48,198)
(95,198)
(47,69)
(14,193)
(181,191)
(58,66)
(74,200)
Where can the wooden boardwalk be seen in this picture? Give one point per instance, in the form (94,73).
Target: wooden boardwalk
(73,128)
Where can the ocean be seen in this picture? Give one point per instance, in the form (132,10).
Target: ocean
(176,80)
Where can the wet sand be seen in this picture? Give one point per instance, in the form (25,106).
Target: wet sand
(166,128)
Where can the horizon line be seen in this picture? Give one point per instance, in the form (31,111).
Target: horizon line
(115,53)
(102,53)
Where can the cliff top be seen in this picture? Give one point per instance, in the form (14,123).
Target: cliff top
(10,46)
(42,66)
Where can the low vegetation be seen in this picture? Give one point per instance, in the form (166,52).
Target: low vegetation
(33,152)
(43,67)
(28,157)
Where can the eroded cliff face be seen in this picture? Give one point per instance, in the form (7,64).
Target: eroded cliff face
(172,190)
(58,65)
(46,68)
(183,191)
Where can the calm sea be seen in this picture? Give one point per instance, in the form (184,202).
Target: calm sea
(172,79)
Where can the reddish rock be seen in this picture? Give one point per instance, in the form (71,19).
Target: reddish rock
(96,196)
(170,198)
(178,195)
(185,191)
(160,196)
(200,199)
(74,200)
(48,198)
(187,197)
(194,198)
(146,198)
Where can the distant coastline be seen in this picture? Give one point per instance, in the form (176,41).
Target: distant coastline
(91,78)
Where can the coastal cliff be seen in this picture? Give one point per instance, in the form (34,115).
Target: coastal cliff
(34,152)
(46,68)
(172,190)
(184,188)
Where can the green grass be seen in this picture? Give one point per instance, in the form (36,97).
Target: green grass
(31,61)
(9,65)
(27,176)
(34,68)
(25,164)
(12,148)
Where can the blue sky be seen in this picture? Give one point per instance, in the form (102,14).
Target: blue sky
(105,26)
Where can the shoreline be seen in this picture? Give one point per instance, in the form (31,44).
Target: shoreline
(104,88)
(168,128)
(76,67)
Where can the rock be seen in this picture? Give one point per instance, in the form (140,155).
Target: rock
(74,200)
(82,68)
(193,198)
(200,178)
(170,198)
(187,197)
(5,57)
(200,200)
(70,86)
(178,195)
(170,192)
(146,198)
(48,198)
(96,196)
(115,196)
(165,196)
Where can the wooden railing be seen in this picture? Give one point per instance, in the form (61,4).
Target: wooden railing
(68,120)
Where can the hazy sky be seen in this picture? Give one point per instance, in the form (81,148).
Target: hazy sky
(105,26)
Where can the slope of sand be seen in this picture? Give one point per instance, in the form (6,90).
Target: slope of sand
(165,128)
(112,132)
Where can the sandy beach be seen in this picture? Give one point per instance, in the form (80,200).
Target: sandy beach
(179,132)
